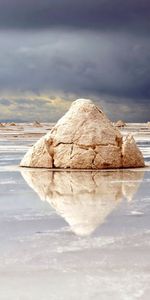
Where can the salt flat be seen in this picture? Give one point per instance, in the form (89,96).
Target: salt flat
(72,235)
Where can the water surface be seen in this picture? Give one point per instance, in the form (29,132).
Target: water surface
(73,235)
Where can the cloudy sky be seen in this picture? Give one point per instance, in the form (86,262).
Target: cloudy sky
(54,51)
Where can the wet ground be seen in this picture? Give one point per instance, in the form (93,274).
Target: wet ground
(72,235)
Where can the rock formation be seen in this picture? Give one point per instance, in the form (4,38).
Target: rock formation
(37,124)
(120,124)
(12,124)
(131,155)
(84,199)
(83,138)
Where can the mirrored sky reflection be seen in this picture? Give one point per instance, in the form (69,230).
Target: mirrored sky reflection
(59,50)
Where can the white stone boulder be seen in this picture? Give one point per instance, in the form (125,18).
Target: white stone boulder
(83,138)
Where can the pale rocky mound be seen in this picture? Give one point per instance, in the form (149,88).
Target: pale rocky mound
(120,124)
(131,154)
(83,138)
(37,124)
(1,125)
(12,124)
(148,124)
(84,199)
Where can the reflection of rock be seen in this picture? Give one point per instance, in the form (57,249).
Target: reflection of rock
(83,199)
(83,138)
(131,183)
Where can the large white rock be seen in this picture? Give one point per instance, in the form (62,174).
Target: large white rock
(83,138)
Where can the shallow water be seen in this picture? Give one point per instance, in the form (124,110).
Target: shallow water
(73,235)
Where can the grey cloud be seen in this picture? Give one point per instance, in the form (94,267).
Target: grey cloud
(133,15)
(5,102)
(83,64)
(28,102)
(23,109)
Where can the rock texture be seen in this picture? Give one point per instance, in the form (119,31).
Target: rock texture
(120,124)
(83,138)
(38,155)
(37,124)
(131,154)
(12,124)
(84,199)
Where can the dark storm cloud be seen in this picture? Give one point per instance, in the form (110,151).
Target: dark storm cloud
(87,14)
(76,48)
(76,63)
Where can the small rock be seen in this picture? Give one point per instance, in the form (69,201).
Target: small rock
(38,156)
(120,124)
(12,124)
(37,124)
(131,154)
